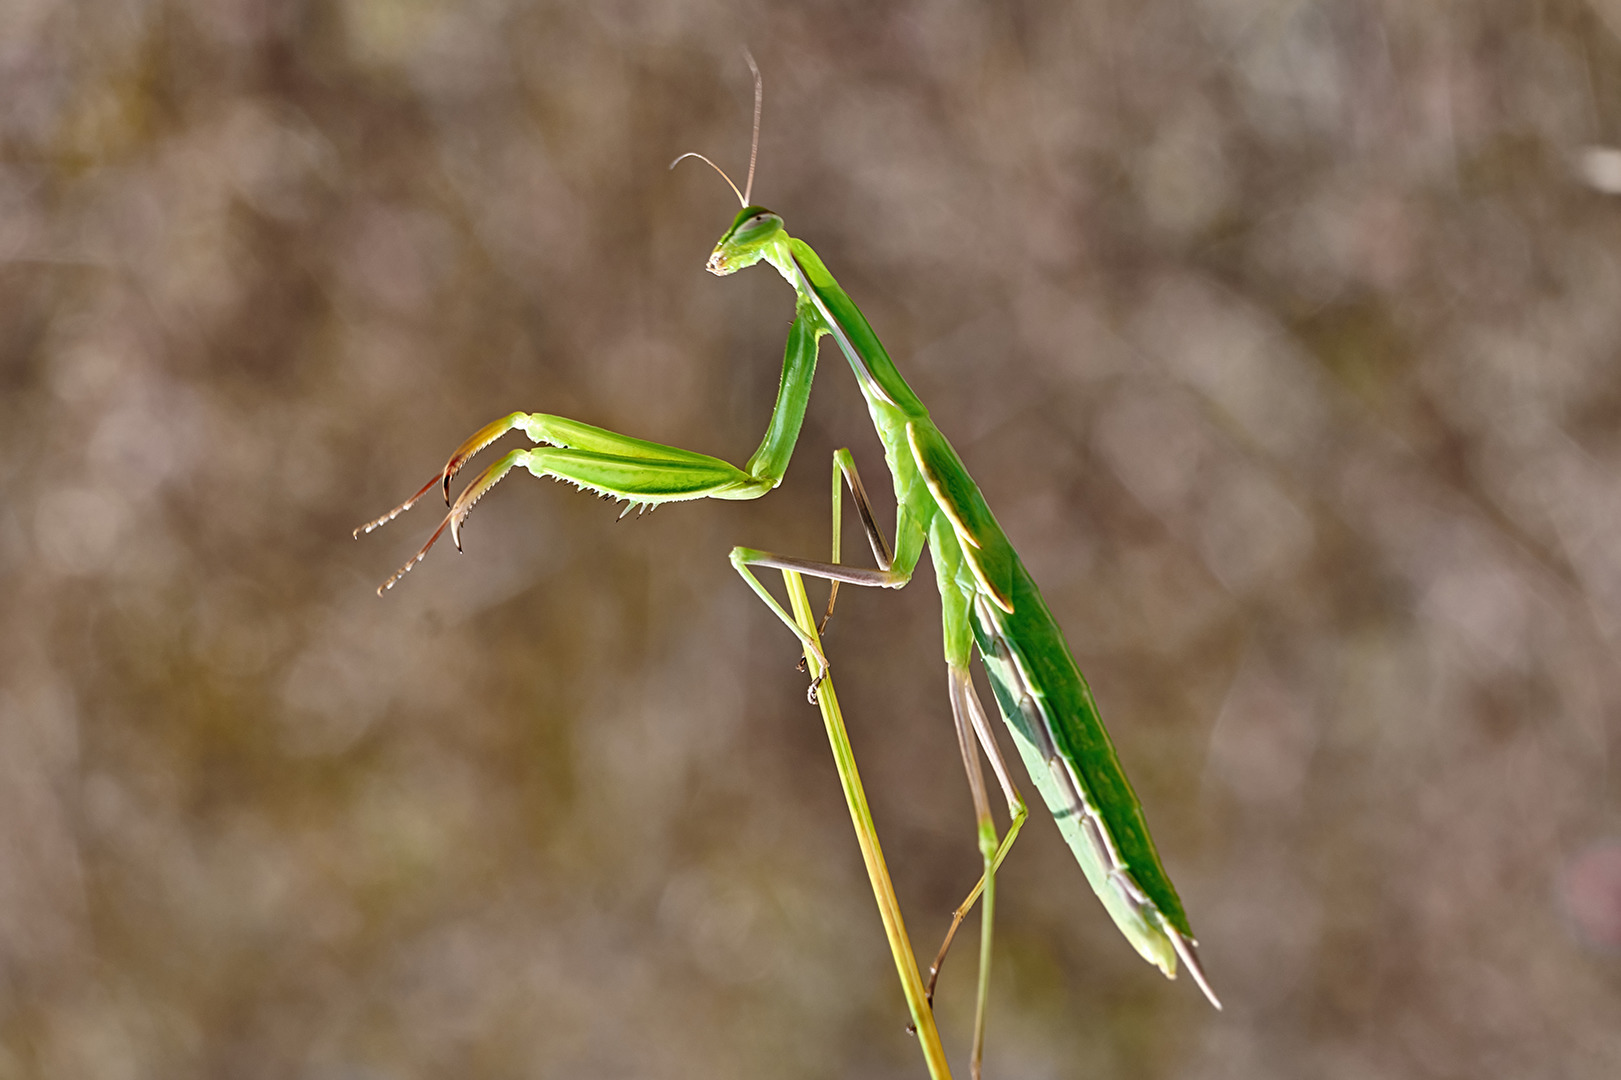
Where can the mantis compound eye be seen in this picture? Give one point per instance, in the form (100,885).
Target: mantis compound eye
(753,225)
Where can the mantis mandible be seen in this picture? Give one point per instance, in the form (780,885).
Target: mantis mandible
(989,602)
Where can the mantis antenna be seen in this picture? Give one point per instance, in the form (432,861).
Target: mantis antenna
(754,142)
(741,201)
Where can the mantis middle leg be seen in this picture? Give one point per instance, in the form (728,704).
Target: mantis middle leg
(894,568)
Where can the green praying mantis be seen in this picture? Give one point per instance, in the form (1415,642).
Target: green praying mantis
(989,602)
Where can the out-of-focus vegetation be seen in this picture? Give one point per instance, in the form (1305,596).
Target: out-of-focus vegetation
(1285,338)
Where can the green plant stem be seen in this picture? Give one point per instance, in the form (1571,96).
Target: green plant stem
(889,908)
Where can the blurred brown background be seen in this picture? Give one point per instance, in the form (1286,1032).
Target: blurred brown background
(1285,339)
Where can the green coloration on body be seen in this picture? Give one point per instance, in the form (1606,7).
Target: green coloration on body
(989,601)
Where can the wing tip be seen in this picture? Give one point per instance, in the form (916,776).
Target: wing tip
(1186,948)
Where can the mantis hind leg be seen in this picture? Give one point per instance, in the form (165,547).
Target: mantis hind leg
(969,715)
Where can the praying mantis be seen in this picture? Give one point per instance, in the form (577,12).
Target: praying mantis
(989,603)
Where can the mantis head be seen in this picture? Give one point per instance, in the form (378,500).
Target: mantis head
(755,228)
(745,243)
